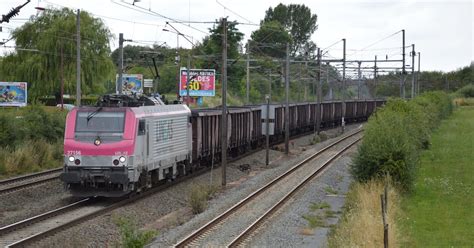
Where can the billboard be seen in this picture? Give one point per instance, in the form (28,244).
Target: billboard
(132,83)
(13,94)
(202,83)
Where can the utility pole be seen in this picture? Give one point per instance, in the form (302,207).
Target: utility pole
(418,74)
(270,84)
(78,57)
(187,80)
(343,84)
(413,70)
(375,76)
(267,131)
(120,77)
(62,77)
(327,82)
(248,72)
(402,83)
(318,110)
(120,66)
(359,80)
(287,107)
(178,63)
(224,102)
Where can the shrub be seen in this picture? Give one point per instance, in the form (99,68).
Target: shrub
(198,197)
(30,156)
(40,124)
(386,149)
(132,237)
(395,135)
(21,160)
(466,91)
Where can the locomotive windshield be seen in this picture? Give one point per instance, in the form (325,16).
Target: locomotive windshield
(104,122)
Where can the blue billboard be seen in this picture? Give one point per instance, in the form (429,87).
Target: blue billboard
(13,94)
(132,83)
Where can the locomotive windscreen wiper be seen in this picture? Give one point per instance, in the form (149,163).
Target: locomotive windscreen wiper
(93,113)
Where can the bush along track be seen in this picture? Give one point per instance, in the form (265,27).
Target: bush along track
(393,141)
(31,139)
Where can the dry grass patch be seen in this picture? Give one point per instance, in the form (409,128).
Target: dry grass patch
(306,231)
(199,195)
(463,101)
(361,224)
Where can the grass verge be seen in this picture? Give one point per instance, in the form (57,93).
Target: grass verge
(361,224)
(439,212)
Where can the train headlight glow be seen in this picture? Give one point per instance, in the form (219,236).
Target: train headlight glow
(122,159)
(71,158)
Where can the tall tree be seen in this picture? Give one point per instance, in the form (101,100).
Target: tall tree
(212,46)
(299,22)
(40,43)
(270,40)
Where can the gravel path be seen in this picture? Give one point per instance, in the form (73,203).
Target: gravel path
(25,203)
(168,211)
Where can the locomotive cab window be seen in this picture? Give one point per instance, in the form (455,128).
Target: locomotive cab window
(103,122)
(141,127)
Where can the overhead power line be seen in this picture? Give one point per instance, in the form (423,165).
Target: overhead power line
(150,12)
(233,12)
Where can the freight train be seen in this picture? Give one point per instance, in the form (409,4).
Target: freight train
(127,144)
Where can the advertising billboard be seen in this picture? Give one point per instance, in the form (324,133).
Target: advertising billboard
(132,83)
(202,82)
(13,94)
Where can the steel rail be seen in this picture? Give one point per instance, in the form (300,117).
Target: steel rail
(28,180)
(29,221)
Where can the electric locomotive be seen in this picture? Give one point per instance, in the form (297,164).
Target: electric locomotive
(124,144)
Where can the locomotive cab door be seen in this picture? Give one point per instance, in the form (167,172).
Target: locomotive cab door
(142,139)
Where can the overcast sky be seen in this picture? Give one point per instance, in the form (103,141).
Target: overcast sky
(441,30)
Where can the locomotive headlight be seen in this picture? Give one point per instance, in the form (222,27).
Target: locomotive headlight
(97,141)
(71,158)
(122,159)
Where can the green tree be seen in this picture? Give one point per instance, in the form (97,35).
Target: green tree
(299,22)
(211,50)
(270,40)
(40,43)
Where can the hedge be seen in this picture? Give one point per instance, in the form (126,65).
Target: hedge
(396,134)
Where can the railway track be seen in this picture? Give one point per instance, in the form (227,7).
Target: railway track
(33,229)
(21,182)
(16,232)
(230,229)
(36,228)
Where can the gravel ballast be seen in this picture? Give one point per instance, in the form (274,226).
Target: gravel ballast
(168,211)
(28,202)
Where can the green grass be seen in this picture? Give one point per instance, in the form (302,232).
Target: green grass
(440,210)
(330,190)
(315,221)
(315,206)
